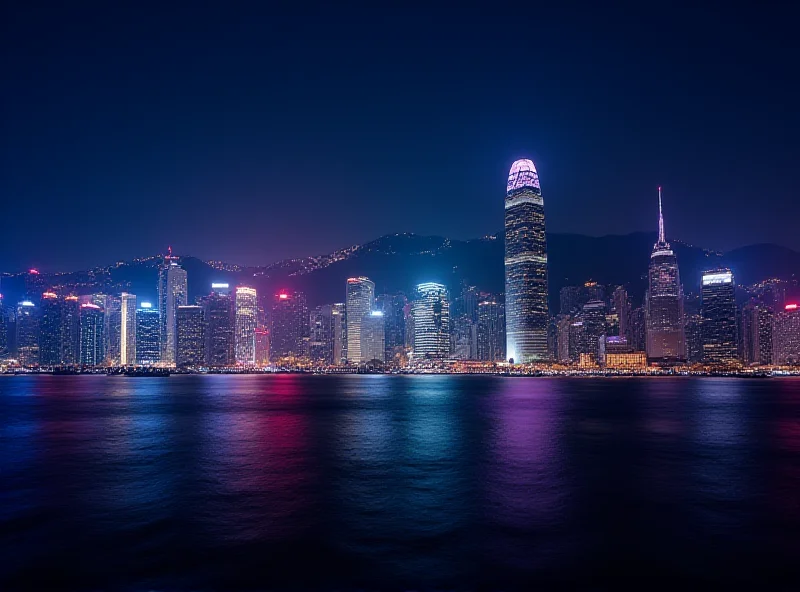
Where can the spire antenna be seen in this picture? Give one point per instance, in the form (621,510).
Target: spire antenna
(661,238)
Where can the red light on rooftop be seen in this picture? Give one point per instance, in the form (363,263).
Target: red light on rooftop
(34,271)
(791,307)
(283,296)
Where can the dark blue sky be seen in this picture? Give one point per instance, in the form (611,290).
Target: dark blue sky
(250,133)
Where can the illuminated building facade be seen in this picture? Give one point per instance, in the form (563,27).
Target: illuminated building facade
(127,339)
(50,330)
(626,361)
(360,302)
(289,331)
(373,345)
(112,326)
(786,335)
(393,307)
(339,333)
(666,340)
(719,317)
(463,338)
(322,333)
(622,306)
(694,338)
(148,335)
(594,326)
(262,346)
(92,340)
(756,330)
(172,293)
(431,314)
(246,320)
(70,330)
(220,328)
(190,336)
(525,265)
(491,331)
(27,333)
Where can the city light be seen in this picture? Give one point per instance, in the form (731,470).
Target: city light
(50,295)
(712,279)
(146,305)
(27,303)
(283,296)
(34,271)
(790,307)
(216,286)
(376,313)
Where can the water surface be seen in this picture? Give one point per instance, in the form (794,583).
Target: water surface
(397,482)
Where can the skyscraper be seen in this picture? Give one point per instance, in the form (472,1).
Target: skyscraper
(622,306)
(666,340)
(220,328)
(190,336)
(127,339)
(50,330)
(525,265)
(289,325)
(322,331)
(262,346)
(27,333)
(339,334)
(491,331)
(719,317)
(431,314)
(70,330)
(3,327)
(148,335)
(92,342)
(694,338)
(756,328)
(112,329)
(594,326)
(464,338)
(786,335)
(246,315)
(360,302)
(394,318)
(172,293)
(373,345)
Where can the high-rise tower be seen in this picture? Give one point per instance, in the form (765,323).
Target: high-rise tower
(525,265)
(664,303)
(245,319)
(360,302)
(172,293)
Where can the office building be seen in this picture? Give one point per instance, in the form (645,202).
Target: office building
(220,328)
(322,332)
(172,293)
(491,331)
(50,330)
(628,362)
(339,333)
(112,327)
(525,266)
(27,333)
(563,323)
(262,347)
(756,332)
(92,338)
(372,337)
(464,338)
(360,302)
(127,338)
(148,335)
(666,340)
(70,331)
(786,336)
(190,336)
(719,318)
(393,307)
(694,338)
(622,307)
(594,326)
(4,326)
(431,318)
(289,332)
(246,320)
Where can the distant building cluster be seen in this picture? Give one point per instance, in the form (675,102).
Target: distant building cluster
(716,325)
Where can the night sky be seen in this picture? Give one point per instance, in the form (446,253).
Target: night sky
(251,134)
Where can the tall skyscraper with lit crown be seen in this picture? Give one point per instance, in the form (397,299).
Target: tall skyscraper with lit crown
(666,339)
(246,316)
(525,265)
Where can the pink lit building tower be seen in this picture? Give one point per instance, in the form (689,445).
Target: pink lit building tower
(666,340)
(525,266)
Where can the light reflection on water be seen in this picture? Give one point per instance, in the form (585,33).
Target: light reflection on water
(232,482)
